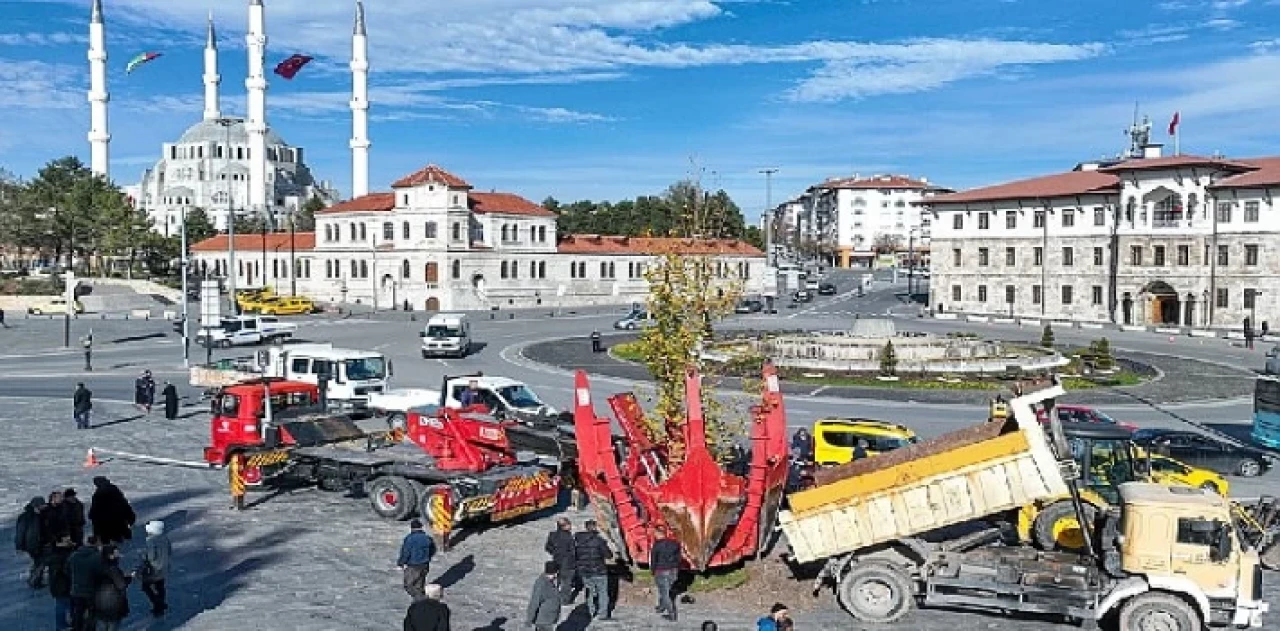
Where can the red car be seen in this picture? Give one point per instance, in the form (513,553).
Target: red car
(1082,414)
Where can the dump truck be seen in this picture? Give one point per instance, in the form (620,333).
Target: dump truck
(928,525)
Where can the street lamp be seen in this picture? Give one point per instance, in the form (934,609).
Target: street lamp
(911,263)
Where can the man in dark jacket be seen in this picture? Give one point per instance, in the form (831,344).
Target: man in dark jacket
(73,515)
(87,570)
(664,562)
(28,537)
(53,520)
(560,547)
(144,391)
(170,394)
(592,554)
(428,613)
(543,613)
(415,559)
(81,405)
(111,598)
(60,580)
(110,513)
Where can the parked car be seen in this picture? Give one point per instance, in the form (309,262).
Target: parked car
(290,305)
(1166,470)
(1082,414)
(56,305)
(836,438)
(1203,451)
(633,321)
(826,289)
(749,306)
(802,295)
(1273,361)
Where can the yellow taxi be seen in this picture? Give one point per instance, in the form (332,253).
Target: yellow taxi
(249,298)
(835,439)
(292,305)
(1166,470)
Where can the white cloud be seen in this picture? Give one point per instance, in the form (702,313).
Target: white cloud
(1266,45)
(42,39)
(1222,24)
(1227,5)
(26,84)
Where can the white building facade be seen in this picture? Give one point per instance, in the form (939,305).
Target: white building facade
(433,243)
(1179,241)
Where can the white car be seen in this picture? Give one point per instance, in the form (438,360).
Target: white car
(245,331)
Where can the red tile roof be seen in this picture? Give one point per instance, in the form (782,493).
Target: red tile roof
(373,202)
(1267,174)
(878,181)
(604,244)
(1058,185)
(1169,162)
(505,204)
(253,242)
(431,173)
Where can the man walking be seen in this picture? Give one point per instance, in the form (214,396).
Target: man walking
(170,394)
(664,562)
(60,581)
(73,515)
(592,554)
(543,613)
(81,404)
(87,571)
(144,391)
(563,553)
(415,559)
(28,537)
(110,512)
(428,613)
(154,568)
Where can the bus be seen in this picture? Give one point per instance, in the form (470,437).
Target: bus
(1266,411)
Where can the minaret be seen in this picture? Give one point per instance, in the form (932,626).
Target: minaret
(359,107)
(256,87)
(212,79)
(99,138)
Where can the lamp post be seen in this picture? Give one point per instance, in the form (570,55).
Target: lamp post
(275,266)
(186,340)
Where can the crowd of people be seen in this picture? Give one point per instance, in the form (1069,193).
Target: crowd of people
(82,570)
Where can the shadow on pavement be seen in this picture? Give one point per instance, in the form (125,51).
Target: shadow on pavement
(119,421)
(497,624)
(137,338)
(456,572)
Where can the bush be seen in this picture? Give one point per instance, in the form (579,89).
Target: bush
(1046,339)
(1101,351)
(888,360)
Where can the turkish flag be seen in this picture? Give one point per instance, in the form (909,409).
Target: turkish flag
(1173,124)
(290,67)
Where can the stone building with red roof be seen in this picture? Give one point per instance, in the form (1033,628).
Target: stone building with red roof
(435,243)
(1186,241)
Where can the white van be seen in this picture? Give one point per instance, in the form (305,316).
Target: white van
(446,334)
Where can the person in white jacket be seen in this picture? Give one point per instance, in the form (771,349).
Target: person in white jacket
(157,555)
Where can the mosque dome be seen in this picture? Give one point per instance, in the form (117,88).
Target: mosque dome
(236,132)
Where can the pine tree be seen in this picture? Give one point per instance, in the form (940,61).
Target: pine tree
(888,360)
(1046,339)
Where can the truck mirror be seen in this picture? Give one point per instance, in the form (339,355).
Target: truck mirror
(422,333)
(1220,551)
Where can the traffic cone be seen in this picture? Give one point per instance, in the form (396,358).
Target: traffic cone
(91,459)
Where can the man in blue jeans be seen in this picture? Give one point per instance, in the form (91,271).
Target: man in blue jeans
(664,562)
(415,559)
(592,554)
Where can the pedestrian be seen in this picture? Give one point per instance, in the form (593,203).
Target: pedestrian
(777,613)
(154,568)
(87,570)
(144,392)
(709,625)
(428,613)
(592,555)
(81,405)
(28,538)
(110,597)
(543,613)
(1248,333)
(802,444)
(860,451)
(73,515)
(415,559)
(2,319)
(595,342)
(53,521)
(562,550)
(110,513)
(170,394)
(664,562)
(60,580)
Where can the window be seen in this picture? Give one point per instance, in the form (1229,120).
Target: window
(955,257)
(542,234)
(1037,256)
(1068,219)
(353,231)
(1099,216)
(1010,292)
(404,199)
(1097,256)
(983,257)
(955,293)
(542,269)
(388,231)
(1224,212)
(1206,259)
(1157,256)
(456,269)
(1096,295)
(328,232)
(328,269)
(404,270)
(1251,255)
(1068,293)
(1011,256)
(355,269)
(1250,298)
(432,273)
(456,230)
(1011,220)
(582,269)
(1220,301)
(1035,294)
(984,221)
(957,222)
(1068,256)
(430,229)
(1184,255)
(604,269)
(515,269)
(1135,255)
(982,293)
(503,268)
(1189,535)
(364,269)
(1037,220)
(404,232)
(363,235)
(1251,212)
(1224,255)
(611,271)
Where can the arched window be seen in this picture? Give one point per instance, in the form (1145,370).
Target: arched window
(457,231)
(353,231)
(611,271)
(404,231)
(1129,209)
(404,268)
(364,236)
(504,233)
(533,234)
(533,269)
(456,269)
(328,232)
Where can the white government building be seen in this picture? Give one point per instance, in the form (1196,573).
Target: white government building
(1145,240)
(433,243)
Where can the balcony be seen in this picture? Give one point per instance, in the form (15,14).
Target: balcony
(1168,218)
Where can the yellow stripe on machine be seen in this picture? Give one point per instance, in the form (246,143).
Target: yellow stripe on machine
(267,458)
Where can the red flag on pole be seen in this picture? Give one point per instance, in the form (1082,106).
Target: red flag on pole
(1173,124)
(290,67)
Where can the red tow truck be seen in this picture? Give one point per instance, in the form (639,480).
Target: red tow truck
(451,466)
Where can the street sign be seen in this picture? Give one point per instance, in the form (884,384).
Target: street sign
(210,304)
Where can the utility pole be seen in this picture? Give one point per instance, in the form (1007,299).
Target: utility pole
(186,296)
(226,124)
(769,217)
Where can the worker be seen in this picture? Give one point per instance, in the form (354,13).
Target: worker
(802,444)
(470,396)
(595,342)
(664,562)
(860,451)
(415,559)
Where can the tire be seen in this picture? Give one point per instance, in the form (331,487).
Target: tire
(37,312)
(223,344)
(1052,529)
(1249,468)
(876,593)
(424,355)
(1158,611)
(393,497)
(1210,486)
(1270,557)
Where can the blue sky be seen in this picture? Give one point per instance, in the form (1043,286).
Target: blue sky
(617,98)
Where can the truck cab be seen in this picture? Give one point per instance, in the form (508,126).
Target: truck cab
(505,398)
(446,335)
(239,413)
(350,375)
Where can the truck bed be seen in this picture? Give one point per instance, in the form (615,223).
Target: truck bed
(959,477)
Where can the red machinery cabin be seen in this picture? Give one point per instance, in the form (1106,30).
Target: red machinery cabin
(460,440)
(239,412)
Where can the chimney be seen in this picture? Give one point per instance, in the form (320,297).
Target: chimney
(1152,150)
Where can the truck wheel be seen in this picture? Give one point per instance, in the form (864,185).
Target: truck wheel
(393,497)
(1057,528)
(1249,468)
(1156,611)
(224,344)
(1270,557)
(877,593)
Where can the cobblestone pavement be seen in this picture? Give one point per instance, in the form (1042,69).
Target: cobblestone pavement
(1180,379)
(306,559)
